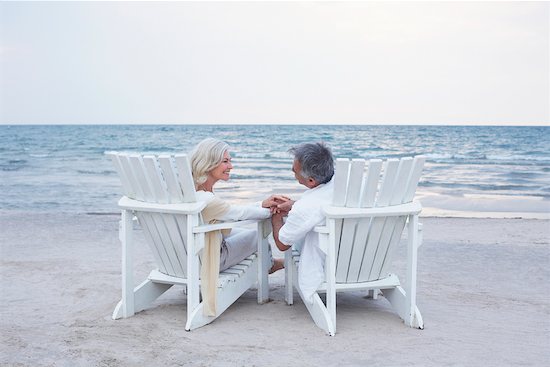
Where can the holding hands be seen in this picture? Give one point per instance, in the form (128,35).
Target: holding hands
(278,204)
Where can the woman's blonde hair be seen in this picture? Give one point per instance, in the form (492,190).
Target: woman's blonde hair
(206,156)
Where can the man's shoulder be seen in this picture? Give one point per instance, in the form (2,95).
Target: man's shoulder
(311,204)
(319,195)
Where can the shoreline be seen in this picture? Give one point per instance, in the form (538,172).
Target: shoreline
(434,204)
(427,212)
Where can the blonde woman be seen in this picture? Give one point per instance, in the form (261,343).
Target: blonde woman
(211,162)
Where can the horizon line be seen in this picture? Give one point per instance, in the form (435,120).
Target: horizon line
(510,124)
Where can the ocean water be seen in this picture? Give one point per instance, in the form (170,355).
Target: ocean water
(63,167)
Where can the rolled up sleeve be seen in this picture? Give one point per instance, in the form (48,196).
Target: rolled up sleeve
(296,227)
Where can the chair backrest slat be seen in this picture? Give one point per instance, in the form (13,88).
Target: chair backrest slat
(170,178)
(355,181)
(164,179)
(157,181)
(414,178)
(352,189)
(341,171)
(394,243)
(133,181)
(150,232)
(388,180)
(375,232)
(401,180)
(359,248)
(186,178)
(370,186)
(168,244)
(345,249)
(365,247)
(136,163)
(126,186)
(395,226)
(382,246)
(368,195)
(174,226)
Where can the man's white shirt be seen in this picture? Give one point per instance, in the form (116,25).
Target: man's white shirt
(305,215)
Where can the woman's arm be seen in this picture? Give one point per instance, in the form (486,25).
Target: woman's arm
(243,212)
(261,210)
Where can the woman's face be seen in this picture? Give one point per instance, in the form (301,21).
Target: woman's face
(221,172)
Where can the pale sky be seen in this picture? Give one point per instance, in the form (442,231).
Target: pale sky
(275,62)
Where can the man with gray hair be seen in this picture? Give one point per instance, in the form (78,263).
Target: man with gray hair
(313,167)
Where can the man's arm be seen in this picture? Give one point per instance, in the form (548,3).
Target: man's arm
(277,224)
(273,201)
(285,207)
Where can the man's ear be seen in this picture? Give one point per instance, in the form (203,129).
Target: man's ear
(311,183)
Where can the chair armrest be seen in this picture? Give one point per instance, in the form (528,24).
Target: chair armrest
(177,208)
(223,225)
(321,229)
(339,212)
(420,234)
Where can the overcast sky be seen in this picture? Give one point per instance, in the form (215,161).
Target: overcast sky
(275,62)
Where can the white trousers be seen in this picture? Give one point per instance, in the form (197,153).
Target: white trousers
(240,244)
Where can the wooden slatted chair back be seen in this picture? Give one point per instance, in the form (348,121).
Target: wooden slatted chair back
(160,179)
(366,245)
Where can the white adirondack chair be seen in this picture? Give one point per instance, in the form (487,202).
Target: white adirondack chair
(361,235)
(159,191)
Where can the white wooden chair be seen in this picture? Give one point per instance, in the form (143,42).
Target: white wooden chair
(159,191)
(362,232)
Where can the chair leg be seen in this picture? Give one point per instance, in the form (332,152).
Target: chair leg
(373,293)
(398,299)
(263,263)
(144,295)
(126,239)
(404,300)
(412,259)
(330,272)
(138,299)
(193,288)
(331,308)
(289,274)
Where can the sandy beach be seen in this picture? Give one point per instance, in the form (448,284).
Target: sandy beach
(483,290)
(459,86)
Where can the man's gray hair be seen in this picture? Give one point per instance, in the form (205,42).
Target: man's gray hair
(316,161)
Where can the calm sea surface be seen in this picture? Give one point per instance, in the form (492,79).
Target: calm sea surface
(63,167)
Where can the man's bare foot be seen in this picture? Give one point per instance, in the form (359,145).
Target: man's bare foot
(278,264)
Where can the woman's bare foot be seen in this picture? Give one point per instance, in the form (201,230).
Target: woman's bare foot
(278,264)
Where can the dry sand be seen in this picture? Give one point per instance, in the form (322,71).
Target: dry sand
(484,293)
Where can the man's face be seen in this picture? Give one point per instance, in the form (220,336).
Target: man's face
(306,181)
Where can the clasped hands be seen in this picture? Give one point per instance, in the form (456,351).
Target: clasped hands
(278,205)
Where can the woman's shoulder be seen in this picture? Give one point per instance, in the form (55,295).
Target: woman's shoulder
(205,196)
